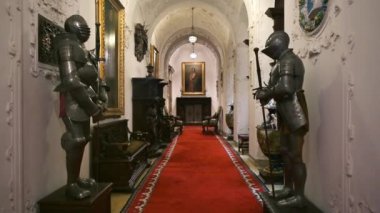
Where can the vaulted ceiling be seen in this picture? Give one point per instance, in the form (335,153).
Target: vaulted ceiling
(216,23)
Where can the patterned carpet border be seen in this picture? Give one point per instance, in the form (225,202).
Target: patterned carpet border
(150,182)
(250,178)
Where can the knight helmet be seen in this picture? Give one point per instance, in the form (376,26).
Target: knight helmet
(77,25)
(276,44)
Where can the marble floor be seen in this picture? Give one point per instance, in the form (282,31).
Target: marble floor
(119,199)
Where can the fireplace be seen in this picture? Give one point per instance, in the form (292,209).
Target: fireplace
(193,110)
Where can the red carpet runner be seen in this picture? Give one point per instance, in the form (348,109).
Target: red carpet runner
(198,173)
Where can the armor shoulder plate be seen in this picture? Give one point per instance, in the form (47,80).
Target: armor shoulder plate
(69,48)
(291,64)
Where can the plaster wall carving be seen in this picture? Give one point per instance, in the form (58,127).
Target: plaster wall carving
(10,198)
(348,146)
(38,96)
(345,51)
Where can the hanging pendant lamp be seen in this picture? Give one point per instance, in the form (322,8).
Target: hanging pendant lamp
(192,37)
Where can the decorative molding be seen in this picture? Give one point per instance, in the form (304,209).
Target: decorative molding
(349,138)
(32,38)
(337,10)
(128,35)
(13,108)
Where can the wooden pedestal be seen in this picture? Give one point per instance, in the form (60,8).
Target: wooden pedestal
(58,202)
(270,206)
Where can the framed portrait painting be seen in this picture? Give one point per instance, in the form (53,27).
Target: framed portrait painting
(111,19)
(154,59)
(193,78)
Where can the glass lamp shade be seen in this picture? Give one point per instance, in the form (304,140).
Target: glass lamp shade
(192,39)
(193,55)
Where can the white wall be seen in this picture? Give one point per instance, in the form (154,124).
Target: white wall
(133,68)
(260,27)
(10,55)
(34,163)
(341,150)
(43,159)
(241,76)
(341,61)
(182,54)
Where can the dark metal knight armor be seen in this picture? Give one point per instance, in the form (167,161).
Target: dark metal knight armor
(82,95)
(285,87)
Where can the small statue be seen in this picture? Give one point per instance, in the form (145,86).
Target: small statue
(141,42)
(82,95)
(285,87)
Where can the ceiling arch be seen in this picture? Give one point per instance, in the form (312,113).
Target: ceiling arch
(178,17)
(181,37)
(166,17)
(216,23)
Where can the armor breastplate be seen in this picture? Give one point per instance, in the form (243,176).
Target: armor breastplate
(77,73)
(292,110)
(88,74)
(290,64)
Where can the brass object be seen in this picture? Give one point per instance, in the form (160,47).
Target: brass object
(154,60)
(230,122)
(274,155)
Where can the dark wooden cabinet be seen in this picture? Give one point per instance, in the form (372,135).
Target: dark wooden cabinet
(115,157)
(193,110)
(144,93)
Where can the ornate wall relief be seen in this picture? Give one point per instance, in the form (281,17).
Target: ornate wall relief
(141,41)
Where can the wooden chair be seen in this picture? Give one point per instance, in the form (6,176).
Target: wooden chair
(211,121)
(176,122)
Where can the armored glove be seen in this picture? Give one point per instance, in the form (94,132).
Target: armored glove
(264,95)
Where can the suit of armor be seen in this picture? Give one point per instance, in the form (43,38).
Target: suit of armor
(285,87)
(81,95)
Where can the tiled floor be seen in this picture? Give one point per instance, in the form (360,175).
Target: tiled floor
(118,200)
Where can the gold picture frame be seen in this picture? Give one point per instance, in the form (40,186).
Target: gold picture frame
(193,78)
(111,18)
(154,60)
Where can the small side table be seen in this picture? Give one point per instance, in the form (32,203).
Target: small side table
(243,143)
(58,202)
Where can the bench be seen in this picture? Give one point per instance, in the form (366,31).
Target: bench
(118,155)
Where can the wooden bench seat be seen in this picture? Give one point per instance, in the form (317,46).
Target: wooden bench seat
(116,156)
